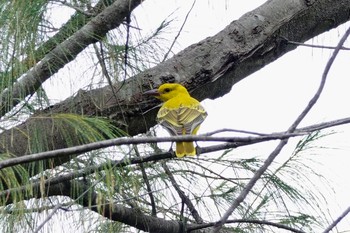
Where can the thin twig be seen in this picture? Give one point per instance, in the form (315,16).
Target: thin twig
(77,9)
(182,195)
(127,141)
(314,99)
(251,221)
(234,130)
(238,141)
(313,46)
(153,158)
(101,58)
(54,210)
(330,227)
(126,51)
(179,32)
(282,143)
(148,185)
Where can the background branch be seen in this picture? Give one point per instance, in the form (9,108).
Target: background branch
(66,52)
(185,199)
(240,198)
(331,226)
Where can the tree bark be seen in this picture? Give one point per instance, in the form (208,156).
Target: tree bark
(110,18)
(208,68)
(77,20)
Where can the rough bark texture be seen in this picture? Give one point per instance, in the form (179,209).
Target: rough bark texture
(110,18)
(77,21)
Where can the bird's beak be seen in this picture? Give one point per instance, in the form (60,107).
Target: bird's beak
(153,92)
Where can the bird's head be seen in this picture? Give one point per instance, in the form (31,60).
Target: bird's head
(167,91)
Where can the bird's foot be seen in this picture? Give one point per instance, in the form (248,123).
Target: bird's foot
(172,151)
(198,150)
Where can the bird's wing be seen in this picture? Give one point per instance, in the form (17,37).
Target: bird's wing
(168,119)
(182,120)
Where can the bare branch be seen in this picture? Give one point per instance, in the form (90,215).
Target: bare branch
(330,227)
(78,9)
(239,141)
(233,142)
(314,99)
(283,142)
(253,221)
(53,211)
(185,199)
(314,46)
(148,185)
(234,130)
(179,32)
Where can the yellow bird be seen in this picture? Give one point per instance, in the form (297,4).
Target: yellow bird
(180,114)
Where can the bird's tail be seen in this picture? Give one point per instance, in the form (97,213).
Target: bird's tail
(185,148)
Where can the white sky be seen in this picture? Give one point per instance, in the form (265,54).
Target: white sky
(270,99)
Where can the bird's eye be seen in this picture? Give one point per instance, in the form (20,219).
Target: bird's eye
(167,90)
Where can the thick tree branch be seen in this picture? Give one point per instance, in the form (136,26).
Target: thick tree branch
(110,18)
(77,20)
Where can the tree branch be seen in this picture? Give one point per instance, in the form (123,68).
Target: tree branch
(315,46)
(113,211)
(110,18)
(330,227)
(238,141)
(252,221)
(182,195)
(179,32)
(76,21)
(283,142)
(233,142)
(208,69)
(146,180)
